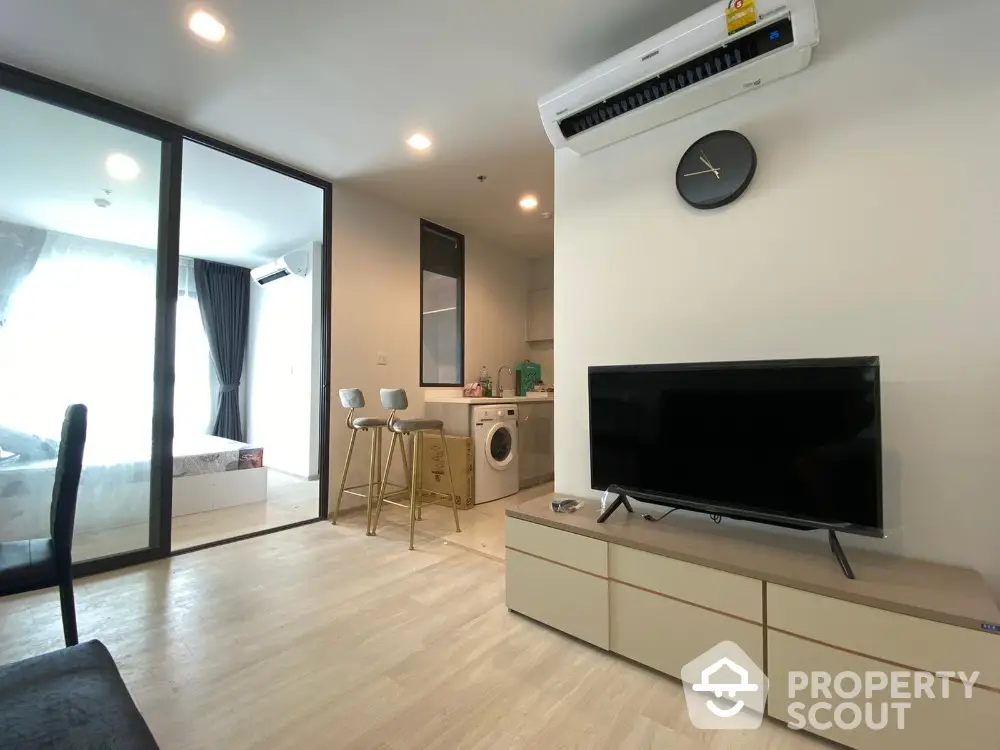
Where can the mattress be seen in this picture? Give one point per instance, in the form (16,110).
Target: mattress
(193,454)
(115,482)
(207,454)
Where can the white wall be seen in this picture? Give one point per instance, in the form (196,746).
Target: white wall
(281,371)
(870,228)
(540,276)
(376,310)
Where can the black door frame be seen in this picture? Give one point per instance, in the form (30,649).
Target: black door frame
(172,137)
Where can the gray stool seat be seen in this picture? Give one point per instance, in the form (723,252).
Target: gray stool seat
(362,422)
(415,425)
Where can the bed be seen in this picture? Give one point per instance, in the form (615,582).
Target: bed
(209,473)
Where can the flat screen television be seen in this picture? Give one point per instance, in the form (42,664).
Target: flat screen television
(796,442)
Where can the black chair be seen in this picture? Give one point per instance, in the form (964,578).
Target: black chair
(39,563)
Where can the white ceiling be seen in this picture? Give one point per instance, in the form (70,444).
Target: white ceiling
(231,211)
(237,212)
(334,86)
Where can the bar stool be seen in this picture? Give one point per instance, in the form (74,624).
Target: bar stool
(395,400)
(353,398)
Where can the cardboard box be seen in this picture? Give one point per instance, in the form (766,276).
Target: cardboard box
(434,472)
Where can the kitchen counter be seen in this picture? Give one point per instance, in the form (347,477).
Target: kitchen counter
(480,401)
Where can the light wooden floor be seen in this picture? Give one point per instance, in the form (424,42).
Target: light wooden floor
(321,637)
(482,525)
(289,500)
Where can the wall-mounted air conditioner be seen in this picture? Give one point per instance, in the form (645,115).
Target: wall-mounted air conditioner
(294,264)
(688,67)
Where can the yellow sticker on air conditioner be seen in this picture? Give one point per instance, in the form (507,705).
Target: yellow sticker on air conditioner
(740,14)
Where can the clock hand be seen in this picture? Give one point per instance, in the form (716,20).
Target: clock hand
(704,171)
(709,165)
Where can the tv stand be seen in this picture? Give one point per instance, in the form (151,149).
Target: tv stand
(622,499)
(838,552)
(664,595)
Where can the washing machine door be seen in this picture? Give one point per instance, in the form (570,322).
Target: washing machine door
(499,446)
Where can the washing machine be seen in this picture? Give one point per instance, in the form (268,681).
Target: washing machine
(494,433)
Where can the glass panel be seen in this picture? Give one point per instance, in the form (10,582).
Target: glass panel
(440,346)
(247,393)
(442,280)
(79,202)
(500,444)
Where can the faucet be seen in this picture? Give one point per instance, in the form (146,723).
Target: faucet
(499,373)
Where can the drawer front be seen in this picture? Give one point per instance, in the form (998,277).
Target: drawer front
(568,600)
(905,640)
(955,722)
(666,634)
(715,589)
(574,550)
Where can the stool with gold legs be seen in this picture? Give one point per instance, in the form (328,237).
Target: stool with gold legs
(395,400)
(352,399)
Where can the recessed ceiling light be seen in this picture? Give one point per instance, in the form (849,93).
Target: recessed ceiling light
(418,142)
(208,27)
(529,203)
(122,167)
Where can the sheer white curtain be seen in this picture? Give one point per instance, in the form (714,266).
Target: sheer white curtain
(194,376)
(80,329)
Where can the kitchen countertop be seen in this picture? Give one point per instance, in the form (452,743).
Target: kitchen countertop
(480,401)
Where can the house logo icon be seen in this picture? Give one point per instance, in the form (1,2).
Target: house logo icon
(724,689)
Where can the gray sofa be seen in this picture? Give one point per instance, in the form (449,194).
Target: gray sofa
(73,699)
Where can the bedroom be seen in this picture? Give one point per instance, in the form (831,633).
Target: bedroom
(79,223)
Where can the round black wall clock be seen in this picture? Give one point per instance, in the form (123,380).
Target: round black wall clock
(716,170)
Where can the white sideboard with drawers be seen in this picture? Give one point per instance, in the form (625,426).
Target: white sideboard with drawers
(661,594)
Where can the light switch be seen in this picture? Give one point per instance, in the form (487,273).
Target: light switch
(382,360)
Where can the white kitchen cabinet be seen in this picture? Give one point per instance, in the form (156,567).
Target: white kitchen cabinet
(535,424)
(539,325)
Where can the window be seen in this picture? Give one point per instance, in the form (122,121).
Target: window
(78,331)
(110,290)
(442,306)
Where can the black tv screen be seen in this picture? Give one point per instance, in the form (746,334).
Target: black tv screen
(794,442)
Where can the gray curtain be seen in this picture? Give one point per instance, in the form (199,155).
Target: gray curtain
(19,249)
(224,300)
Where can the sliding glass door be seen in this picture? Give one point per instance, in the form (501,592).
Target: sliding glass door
(249,350)
(180,289)
(79,234)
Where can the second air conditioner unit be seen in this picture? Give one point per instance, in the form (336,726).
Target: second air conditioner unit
(294,264)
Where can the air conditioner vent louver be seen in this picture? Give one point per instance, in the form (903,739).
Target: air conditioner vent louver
(280,274)
(727,57)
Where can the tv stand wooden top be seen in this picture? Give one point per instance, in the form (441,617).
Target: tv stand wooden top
(800,560)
